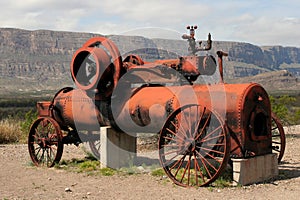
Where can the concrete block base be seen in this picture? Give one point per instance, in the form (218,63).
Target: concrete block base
(254,170)
(117,149)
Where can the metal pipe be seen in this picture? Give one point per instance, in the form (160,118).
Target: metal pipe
(220,62)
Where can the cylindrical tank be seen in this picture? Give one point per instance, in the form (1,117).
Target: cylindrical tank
(245,108)
(145,109)
(247,111)
(74,108)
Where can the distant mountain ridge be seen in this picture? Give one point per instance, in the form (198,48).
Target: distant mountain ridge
(43,57)
(281,81)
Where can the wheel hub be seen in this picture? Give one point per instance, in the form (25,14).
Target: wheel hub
(44,142)
(190,146)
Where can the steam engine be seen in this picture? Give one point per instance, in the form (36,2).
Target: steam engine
(169,97)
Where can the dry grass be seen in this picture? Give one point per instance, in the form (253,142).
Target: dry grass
(10,131)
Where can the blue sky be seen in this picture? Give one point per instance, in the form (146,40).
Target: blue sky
(259,22)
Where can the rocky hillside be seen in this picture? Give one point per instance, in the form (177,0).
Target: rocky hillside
(40,59)
(281,81)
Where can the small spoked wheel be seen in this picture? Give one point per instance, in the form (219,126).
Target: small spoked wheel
(194,146)
(278,137)
(45,142)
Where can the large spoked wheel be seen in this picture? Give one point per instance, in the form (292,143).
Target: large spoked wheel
(278,138)
(45,142)
(94,143)
(95,148)
(91,141)
(194,146)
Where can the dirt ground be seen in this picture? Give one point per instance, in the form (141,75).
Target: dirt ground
(19,180)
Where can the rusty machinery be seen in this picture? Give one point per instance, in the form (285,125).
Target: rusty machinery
(200,125)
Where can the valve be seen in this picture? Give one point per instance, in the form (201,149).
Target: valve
(192,41)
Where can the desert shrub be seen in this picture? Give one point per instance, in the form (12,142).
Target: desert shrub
(16,129)
(10,131)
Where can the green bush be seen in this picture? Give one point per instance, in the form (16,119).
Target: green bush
(88,165)
(297,116)
(285,109)
(158,172)
(29,118)
(107,172)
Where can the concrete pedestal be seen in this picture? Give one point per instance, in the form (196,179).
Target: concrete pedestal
(254,170)
(117,149)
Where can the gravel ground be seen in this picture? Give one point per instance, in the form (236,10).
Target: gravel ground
(20,180)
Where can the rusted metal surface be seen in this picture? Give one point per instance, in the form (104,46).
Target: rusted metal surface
(74,108)
(203,124)
(92,68)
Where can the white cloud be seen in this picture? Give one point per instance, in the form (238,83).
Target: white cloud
(259,22)
(268,31)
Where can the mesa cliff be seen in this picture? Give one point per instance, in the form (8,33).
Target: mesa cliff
(41,59)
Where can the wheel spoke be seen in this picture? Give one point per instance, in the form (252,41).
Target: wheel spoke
(198,124)
(177,136)
(202,159)
(274,142)
(214,158)
(41,159)
(207,137)
(196,166)
(212,150)
(179,166)
(170,152)
(204,126)
(187,123)
(179,128)
(277,135)
(186,168)
(276,149)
